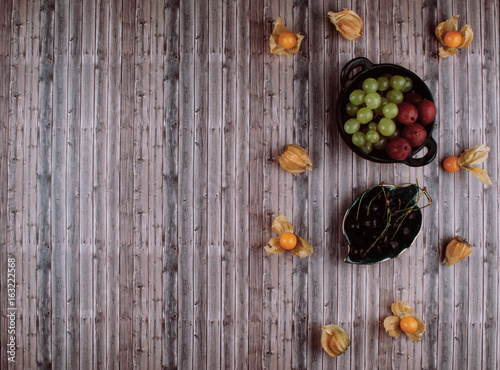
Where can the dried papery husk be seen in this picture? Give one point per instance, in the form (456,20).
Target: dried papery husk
(391,325)
(278,49)
(452,25)
(444,27)
(281,225)
(417,334)
(295,159)
(456,250)
(274,246)
(302,249)
(474,156)
(467,36)
(348,23)
(334,340)
(401,309)
(445,52)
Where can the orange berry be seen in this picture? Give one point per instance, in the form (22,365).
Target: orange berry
(287,40)
(288,240)
(452,39)
(408,324)
(450,164)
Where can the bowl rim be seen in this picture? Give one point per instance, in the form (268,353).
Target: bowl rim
(387,258)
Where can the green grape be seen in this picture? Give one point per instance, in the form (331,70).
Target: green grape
(357,97)
(358,138)
(351,109)
(397,82)
(381,143)
(373,100)
(364,115)
(370,85)
(384,101)
(408,85)
(366,147)
(383,83)
(372,136)
(390,110)
(395,96)
(351,126)
(386,126)
(372,126)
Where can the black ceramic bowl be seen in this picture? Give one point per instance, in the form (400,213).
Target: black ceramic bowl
(359,243)
(350,83)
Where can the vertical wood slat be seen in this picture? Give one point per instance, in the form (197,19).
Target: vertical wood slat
(15,178)
(44,178)
(286,136)
(214,178)
(270,268)
(141,205)
(331,175)
(458,83)
(200,184)
(445,201)
(30,226)
(99,197)
(155,212)
(490,233)
(472,100)
(228,185)
(61,134)
(5,27)
(431,239)
(316,189)
(175,171)
(255,169)
(300,191)
(242,241)
(73,196)
(126,177)
(185,227)
(87,243)
(113,216)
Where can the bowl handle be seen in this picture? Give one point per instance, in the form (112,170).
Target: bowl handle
(362,62)
(431,146)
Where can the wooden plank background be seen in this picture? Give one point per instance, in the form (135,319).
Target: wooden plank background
(139,180)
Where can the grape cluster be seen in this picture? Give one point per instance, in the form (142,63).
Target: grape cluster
(373,109)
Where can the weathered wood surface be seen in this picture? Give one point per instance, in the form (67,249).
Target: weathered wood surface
(139,181)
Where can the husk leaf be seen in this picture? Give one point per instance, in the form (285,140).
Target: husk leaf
(401,309)
(457,249)
(474,156)
(417,334)
(274,246)
(348,23)
(446,26)
(467,36)
(303,248)
(295,159)
(278,49)
(445,52)
(334,340)
(391,325)
(480,174)
(281,225)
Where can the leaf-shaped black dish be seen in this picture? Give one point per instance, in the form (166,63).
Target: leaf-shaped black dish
(370,225)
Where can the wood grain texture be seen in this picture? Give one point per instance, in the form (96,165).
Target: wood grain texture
(139,180)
